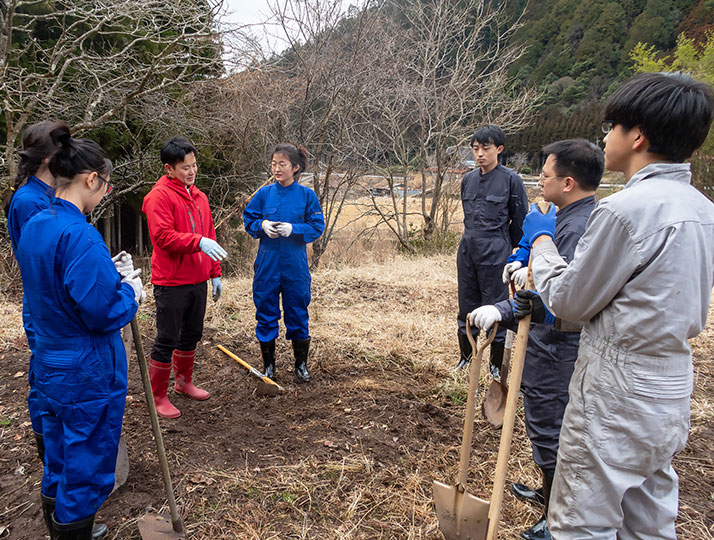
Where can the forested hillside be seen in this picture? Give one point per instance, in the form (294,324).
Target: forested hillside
(577,51)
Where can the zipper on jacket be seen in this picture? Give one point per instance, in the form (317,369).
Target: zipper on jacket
(190,217)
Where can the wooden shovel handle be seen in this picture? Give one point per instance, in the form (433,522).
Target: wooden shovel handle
(474,373)
(504,448)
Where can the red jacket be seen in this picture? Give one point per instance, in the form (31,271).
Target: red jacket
(177,222)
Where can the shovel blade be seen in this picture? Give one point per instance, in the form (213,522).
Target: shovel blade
(158,527)
(494,404)
(121,472)
(461,515)
(267,389)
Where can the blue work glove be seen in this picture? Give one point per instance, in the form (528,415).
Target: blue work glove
(537,224)
(527,301)
(522,254)
(217,288)
(212,249)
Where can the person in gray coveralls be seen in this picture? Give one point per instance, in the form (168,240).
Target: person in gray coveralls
(569,179)
(495,203)
(641,280)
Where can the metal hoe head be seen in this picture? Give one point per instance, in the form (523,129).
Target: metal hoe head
(158,527)
(461,515)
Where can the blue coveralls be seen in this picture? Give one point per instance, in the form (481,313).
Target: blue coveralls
(281,264)
(78,306)
(30,199)
(494,205)
(551,353)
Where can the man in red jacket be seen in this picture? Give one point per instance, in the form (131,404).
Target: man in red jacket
(185,256)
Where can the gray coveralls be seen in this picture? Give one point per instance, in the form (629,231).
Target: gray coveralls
(494,205)
(551,353)
(642,278)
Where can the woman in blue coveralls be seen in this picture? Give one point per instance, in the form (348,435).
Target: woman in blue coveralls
(284,216)
(78,304)
(31,193)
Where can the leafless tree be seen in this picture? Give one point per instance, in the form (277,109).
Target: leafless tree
(85,61)
(454,76)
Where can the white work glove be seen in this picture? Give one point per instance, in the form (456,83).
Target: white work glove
(484,317)
(212,249)
(270,228)
(134,280)
(509,269)
(217,288)
(519,277)
(123,263)
(285,229)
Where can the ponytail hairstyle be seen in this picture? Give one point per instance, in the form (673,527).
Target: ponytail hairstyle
(296,154)
(37,145)
(76,156)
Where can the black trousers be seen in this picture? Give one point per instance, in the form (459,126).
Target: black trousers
(179,319)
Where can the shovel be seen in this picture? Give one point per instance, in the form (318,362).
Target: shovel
(461,515)
(266,386)
(156,526)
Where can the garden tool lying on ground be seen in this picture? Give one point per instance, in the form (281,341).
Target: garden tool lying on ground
(494,404)
(157,526)
(266,386)
(463,516)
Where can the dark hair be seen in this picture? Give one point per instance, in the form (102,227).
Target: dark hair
(296,154)
(581,159)
(673,111)
(75,156)
(489,134)
(175,150)
(37,145)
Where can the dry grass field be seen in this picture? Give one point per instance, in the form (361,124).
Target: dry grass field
(350,456)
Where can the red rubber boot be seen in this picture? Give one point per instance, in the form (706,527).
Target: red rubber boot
(159,374)
(183,372)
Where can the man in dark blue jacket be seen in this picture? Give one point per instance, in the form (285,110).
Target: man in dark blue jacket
(569,179)
(495,203)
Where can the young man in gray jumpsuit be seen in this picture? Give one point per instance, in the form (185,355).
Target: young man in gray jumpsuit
(641,279)
(569,179)
(495,203)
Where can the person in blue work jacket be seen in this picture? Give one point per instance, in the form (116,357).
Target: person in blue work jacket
(78,303)
(284,216)
(29,194)
(570,177)
(495,203)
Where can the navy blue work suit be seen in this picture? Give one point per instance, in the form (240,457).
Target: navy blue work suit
(78,306)
(494,205)
(281,264)
(551,353)
(28,200)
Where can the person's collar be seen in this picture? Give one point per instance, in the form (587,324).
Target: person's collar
(679,172)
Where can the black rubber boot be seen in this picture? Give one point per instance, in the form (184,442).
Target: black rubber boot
(301,348)
(540,531)
(77,530)
(40,440)
(267,350)
(466,351)
(48,507)
(526,493)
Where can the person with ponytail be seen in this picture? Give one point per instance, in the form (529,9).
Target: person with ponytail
(284,216)
(78,303)
(31,193)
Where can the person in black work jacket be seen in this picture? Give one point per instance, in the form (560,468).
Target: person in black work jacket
(569,179)
(495,203)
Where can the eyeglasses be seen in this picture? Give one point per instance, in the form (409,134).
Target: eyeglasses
(109,186)
(544,177)
(607,127)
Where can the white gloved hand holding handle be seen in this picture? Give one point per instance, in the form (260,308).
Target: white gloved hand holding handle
(123,263)
(484,317)
(270,228)
(134,280)
(519,277)
(212,249)
(509,269)
(285,229)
